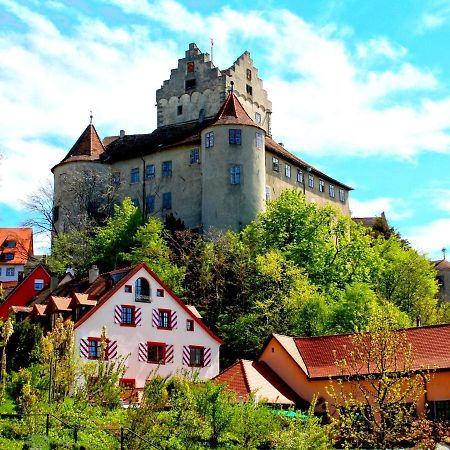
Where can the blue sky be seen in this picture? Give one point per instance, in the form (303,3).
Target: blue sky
(359,89)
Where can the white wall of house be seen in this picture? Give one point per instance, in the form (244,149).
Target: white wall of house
(5,269)
(129,338)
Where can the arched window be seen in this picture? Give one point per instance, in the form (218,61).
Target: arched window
(142,290)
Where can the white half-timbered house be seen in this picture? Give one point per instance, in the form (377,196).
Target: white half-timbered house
(147,321)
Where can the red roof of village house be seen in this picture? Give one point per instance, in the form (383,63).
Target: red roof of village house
(317,355)
(232,112)
(61,303)
(39,310)
(22,238)
(245,377)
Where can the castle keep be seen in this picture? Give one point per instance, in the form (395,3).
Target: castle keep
(211,161)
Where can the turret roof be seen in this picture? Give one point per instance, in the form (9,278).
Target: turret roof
(88,147)
(232,112)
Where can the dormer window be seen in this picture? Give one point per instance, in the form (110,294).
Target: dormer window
(8,256)
(10,244)
(142,290)
(249,89)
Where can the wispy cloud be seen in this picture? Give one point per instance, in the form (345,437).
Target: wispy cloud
(430,238)
(394,208)
(435,15)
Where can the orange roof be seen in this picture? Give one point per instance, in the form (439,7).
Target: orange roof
(61,303)
(88,147)
(8,284)
(18,242)
(39,309)
(83,299)
(430,347)
(256,377)
(232,112)
(194,311)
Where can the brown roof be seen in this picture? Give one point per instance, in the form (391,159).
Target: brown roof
(441,264)
(22,238)
(232,112)
(245,377)
(88,147)
(430,346)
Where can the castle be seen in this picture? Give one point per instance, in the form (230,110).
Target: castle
(211,161)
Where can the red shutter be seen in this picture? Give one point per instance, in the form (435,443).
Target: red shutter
(155,318)
(111,350)
(142,355)
(186,355)
(118,314)
(169,354)
(206,357)
(173,319)
(84,348)
(138,316)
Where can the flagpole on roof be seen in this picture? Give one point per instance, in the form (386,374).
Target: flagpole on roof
(212,48)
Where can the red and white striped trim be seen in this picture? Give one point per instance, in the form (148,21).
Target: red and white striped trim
(112,349)
(206,357)
(169,354)
(84,348)
(118,314)
(186,355)
(155,318)
(138,316)
(142,352)
(173,319)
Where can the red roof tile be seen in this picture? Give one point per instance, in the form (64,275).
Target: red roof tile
(61,303)
(232,112)
(430,346)
(22,238)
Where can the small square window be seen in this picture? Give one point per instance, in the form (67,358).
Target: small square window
(299,176)
(249,75)
(189,325)
(209,139)
(179,110)
(287,171)
(311,181)
(38,285)
(234,136)
(249,89)
(257,117)
(196,356)
(195,156)
(127,315)
(235,175)
(128,288)
(156,352)
(259,140)
(164,320)
(94,348)
(191,84)
(321,186)
(190,66)
(275,165)
(160,292)
(167,169)
(134,177)
(150,171)
(10,271)
(332,191)
(167,200)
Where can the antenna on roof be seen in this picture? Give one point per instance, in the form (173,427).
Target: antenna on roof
(443,252)
(212,48)
(90,117)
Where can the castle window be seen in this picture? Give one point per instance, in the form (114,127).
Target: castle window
(311,181)
(116,179)
(267,193)
(249,89)
(287,171)
(249,75)
(275,165)
(195,156)
(150,171)
(342,195)
(332,192)
(10,271)
(321,186)
(134,176)
(55,213)
(135,202)
(180,110)
(190,84)
(299,176)
(235,174)
(190,67)
(150,203)
(209,139)
(257,117)
(167,200)
(167,168)
(234,136)
(259,140)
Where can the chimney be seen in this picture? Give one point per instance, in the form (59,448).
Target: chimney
(121,133)
(419,320)
(54,283)
(93,274)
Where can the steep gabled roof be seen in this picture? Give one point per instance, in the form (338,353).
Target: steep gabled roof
(256,377)
(120,283)
(88,147)
(18,242)
(233,113)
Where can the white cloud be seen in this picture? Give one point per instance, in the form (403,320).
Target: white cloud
(394,208)
(441,200)
(380,47)
(430,238)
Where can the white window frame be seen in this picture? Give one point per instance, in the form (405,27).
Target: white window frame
(332,191)
(321,186)
(287,171)
(209,139)
(311,181)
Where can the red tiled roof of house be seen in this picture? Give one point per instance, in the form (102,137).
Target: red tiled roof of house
(61,303)
(39,309)
(88,147)
(8,284)
(21,241)
(245,377)
(83,299)
(24,309)
(430,347)
(232,112)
